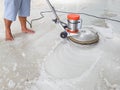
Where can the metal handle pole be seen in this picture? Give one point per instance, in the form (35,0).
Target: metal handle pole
(55,14)
(53,10)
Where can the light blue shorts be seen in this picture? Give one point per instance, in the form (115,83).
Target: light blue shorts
(14,7)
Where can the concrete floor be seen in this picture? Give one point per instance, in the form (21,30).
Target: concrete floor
(44,61)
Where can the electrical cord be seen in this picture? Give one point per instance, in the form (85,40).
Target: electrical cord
(42,16)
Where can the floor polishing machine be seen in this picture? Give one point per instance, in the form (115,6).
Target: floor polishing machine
(72,30)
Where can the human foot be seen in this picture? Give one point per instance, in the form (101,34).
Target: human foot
(9,36)
(28,31)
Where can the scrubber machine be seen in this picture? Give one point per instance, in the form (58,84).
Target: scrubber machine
(72,30)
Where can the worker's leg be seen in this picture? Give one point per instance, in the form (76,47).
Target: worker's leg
(24,12)
(11,8)
(23,25)
(10,13)
(8,30)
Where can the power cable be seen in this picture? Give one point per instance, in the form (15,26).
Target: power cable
(42,16)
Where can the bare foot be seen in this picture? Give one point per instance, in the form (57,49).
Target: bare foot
(9,36)
(28,31)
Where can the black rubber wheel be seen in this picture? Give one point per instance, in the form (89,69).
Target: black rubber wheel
(63,34)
